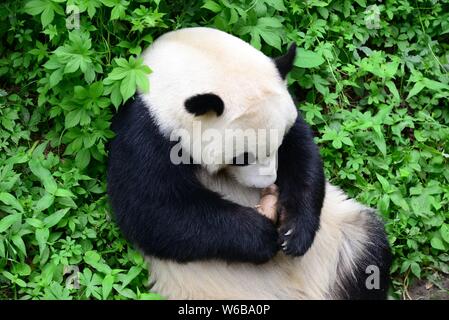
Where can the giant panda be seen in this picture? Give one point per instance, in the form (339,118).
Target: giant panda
(197,221)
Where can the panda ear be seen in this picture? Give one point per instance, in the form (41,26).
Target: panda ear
(285,63)
(203,103)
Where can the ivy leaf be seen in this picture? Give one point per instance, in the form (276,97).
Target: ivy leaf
(307,59)
(444,231)
(46,8)
(82,158)
(277,4)
(212,6)
(269,29)
(78,55)
(128,85)
(73,118)
(131,74)
(436,243)
(118,8)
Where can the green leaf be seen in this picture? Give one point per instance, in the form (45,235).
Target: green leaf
(337,144)
(392,87)
(118,12)
(415,90)
(133,74)
(46,8)
(72,118)
(2,249)
(10,200)
(9,220)
(44,175)
(379,141)
(142,82)
(150,296)
(21,269)
(54,218)
(384,182)
(37,223)
(307,59)
(63,193)
(56,77)
(347,141)
(212,6)
(94,259)
(41,238)
(416,269)
(47,16)
(277,4)
(106,284)
(444,231)
(18,242)
(82,158)
(44,203)
(399,201)
(436,243)
(131,275)
(128,86)
(35,7)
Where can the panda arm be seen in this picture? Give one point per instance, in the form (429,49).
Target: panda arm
(165,211)
(301,185)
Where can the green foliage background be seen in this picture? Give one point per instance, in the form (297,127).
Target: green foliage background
(371,78)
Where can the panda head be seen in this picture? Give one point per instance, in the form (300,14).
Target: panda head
(226,101)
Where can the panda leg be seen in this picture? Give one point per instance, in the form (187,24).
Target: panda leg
(350,256)
(369,278)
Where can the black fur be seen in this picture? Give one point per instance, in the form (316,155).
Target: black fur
(203,103)
(164,210)
(301,185)
(376,253)
(285,63)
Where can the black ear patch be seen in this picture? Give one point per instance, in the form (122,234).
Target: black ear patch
(285,63)
(203,103)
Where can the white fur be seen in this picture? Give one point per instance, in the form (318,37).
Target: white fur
(309,277)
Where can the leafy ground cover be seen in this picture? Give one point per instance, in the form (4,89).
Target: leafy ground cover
(371,78)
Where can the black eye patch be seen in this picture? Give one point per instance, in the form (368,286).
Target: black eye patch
(243,159)
(203,103)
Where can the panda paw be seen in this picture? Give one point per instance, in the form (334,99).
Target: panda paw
(295,238)
(265,244)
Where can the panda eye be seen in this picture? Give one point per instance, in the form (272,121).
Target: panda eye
(243,159)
